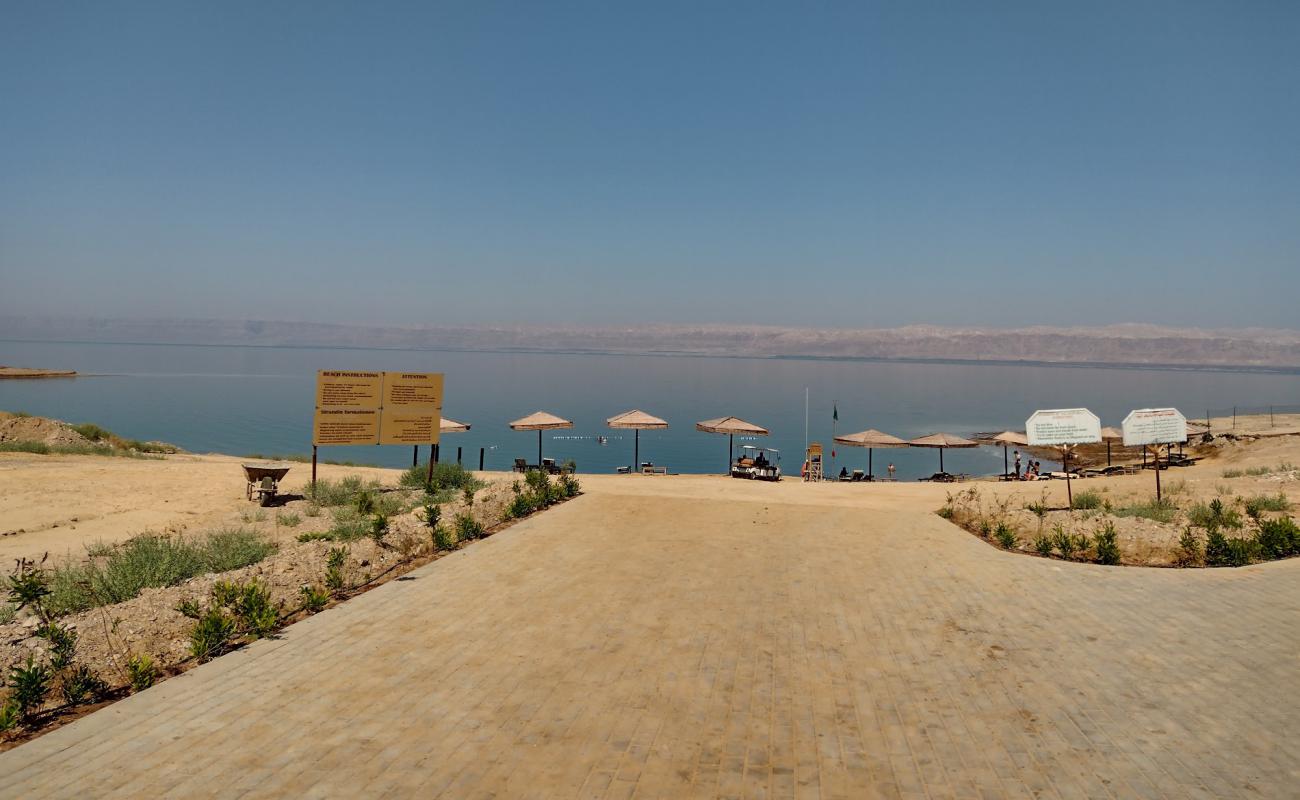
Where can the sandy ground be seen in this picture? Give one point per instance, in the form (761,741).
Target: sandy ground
(59,504)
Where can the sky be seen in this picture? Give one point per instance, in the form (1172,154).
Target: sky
(814,164)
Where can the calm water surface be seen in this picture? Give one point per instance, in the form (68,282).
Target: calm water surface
(242,400)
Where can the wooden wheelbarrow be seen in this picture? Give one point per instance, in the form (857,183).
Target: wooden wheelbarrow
(263,482)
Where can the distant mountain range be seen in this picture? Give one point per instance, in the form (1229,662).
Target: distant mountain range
(1144,345)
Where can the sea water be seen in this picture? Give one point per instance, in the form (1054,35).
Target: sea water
(244,400)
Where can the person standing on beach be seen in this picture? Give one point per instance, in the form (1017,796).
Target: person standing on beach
(1017,472)
(891,470)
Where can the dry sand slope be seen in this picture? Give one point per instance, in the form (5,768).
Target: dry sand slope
(59,504)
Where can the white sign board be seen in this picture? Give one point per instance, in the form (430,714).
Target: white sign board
(1057,426)
(1154,426)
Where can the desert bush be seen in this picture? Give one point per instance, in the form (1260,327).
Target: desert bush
(342,492)
(348,525)
(1190,551)
(446,477)
(99,549)
(7,613)
(1162,510)
(288,519)
(1087,500)
(1256,505)
(248,517)
(141,672)
(1039,506)
(1213,515)
(314,599)
(378,529)
(29,587)
(255,615)
(467,494)
(1042,545)
(467,528)
(443,539)
(1278,538)
(432,514)
(315,536)
(1107,542)
(80,684)
(312,510)
(29,684)
(151,561)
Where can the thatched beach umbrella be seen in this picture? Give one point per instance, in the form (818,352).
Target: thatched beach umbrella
(444,426)
(732,427)
(942,441)
(1111,434)
(1007,439)
(870,439)
(637,421)
(540,421)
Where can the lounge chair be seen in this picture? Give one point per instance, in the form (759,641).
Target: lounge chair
(859,475)
(521,465)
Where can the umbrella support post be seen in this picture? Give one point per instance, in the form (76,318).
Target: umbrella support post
(636,451)
(415,457)
(731,450)
(480,459)
(1004,462)
(1108,453)
(539,448)
(871,475)
(941,459)
(428,478)
(313,467)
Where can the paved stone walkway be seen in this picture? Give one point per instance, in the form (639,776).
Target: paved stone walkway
(661,645)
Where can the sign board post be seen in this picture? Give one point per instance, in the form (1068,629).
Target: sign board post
(376,408)
(1145,427)
(1063,428)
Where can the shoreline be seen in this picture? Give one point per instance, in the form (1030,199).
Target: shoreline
(28,373)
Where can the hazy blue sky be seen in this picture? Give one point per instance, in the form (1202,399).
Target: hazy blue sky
(855,164)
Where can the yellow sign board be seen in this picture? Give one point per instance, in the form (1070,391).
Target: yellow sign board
(413,390)
(346,426)
(377,407)
(336,389)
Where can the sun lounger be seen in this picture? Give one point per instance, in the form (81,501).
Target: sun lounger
(651,469)
(859,475)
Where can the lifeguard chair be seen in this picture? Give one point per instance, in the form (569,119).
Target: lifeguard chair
(812,463)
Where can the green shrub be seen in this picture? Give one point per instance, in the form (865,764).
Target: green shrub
(1162,510)
(1086,500)
(29,684)
(334,563)
(63,643)
(7,613)
(315,536)
(10,715)
(212,634)
(312,510)
(1063,542)
(1278,538)
(80,684)
(1042,545)
(141,672)
(255,615)
(467,494)
(443,539)
(1107,545)
(1006,536)
(467,528)
(1222,551)
(1258,504)
(1190,552)
(29,587)
(432,514)
(314,599)
(288,519)
(92,432)
(947,512)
